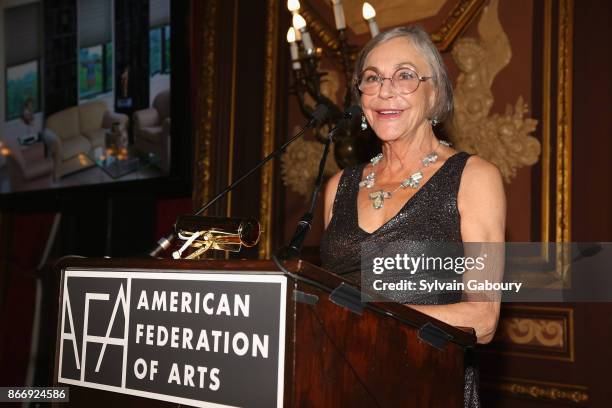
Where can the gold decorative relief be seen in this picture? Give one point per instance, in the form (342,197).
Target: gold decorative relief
(206,97)
(529,331)
(300,165)
(269,120)
(540,390)
(535,332)
(391,13)
(565,69)
(504,140)
(555,166)
(318,27)
(454,24)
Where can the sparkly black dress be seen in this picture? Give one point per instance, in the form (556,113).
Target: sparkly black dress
(430,215)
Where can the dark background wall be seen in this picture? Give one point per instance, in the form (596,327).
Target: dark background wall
(591,221)
(592,183)
(592,144)
(60,41)
(131,26)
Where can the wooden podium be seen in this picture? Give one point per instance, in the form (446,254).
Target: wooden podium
(337,351)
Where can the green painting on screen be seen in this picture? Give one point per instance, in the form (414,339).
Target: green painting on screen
(21,85)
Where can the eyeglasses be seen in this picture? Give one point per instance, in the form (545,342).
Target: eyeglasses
(404,80)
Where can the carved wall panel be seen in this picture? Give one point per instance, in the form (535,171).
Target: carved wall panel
(535,332)
(269,129)
(544,391)
(503,139)
(234,73)
(204,96)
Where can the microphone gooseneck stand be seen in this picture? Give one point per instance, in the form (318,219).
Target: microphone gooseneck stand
(319,114)
(305,223)
(294,247)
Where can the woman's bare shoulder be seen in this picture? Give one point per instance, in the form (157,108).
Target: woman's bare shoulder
(482,202)
(478,170)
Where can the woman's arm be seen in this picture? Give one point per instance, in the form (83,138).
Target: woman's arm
(482,207)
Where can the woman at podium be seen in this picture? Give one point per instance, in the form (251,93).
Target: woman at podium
(419,190)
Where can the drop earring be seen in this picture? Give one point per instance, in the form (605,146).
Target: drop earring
(364,123)
(434,122)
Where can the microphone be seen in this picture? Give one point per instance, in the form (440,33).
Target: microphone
(347,116)
(351,112)
(318,115)
(586,250)
(295,245)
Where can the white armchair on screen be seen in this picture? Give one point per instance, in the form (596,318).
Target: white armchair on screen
(152,129)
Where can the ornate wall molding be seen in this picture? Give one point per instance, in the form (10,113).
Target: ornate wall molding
(560,204)
(564,119)
(456,22)
(545,333)
(202,181)
(504,139)
(532,331)
(540,390)
(556,136)
(556,207)
(232,114)
(269,128)
(453,25)
(319,27)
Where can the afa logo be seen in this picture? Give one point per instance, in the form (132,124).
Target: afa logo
(94,330)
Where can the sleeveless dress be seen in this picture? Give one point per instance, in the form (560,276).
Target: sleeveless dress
(430,215)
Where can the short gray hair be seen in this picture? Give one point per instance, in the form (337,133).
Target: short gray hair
(442,108)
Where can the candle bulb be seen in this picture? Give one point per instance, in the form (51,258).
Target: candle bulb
(307,41)
(368,14)
(339,15)
(300,24)
(293,6)
(293,48)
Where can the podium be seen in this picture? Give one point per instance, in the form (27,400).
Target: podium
(149,332)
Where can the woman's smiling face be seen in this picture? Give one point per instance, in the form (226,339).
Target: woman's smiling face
(391,114)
